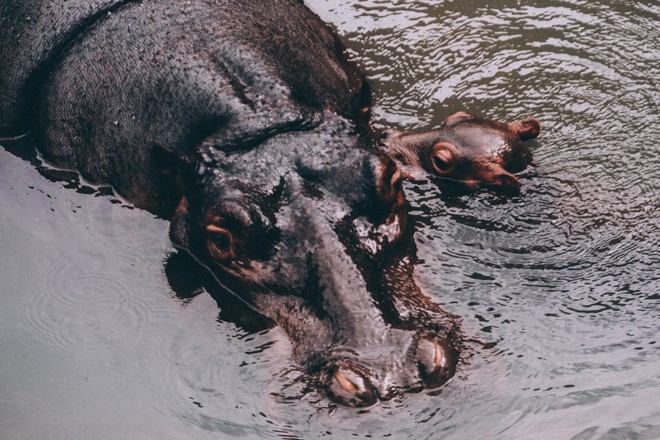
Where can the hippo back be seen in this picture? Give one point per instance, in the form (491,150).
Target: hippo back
(35,35)
(32,33)
(98,86)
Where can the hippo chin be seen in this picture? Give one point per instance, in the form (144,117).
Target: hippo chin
(246,126)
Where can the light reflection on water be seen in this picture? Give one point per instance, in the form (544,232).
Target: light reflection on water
(562,280)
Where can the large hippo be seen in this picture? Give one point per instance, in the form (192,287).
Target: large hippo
(244,123)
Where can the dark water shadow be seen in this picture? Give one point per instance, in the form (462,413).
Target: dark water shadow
(188,278)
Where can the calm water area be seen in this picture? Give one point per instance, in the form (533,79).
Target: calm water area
(558,287)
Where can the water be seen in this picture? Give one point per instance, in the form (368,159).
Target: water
(561,284)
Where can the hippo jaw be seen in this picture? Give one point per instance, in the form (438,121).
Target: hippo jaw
(310,246)
(467,149)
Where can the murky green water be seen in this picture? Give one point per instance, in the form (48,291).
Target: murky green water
(562,281)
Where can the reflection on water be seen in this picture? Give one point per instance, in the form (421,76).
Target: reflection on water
(562,281)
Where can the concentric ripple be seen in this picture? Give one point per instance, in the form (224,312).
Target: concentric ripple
(71,304)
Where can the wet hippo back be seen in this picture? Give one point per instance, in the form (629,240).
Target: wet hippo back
(176,73)
(33,32)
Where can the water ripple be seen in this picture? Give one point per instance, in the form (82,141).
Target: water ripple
(70,305)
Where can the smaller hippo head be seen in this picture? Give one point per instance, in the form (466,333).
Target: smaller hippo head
(468,149)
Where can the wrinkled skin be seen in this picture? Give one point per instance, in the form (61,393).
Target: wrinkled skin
(244,124)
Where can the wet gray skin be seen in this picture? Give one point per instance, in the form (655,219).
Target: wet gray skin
(244,124)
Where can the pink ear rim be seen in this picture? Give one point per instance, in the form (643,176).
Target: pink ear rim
(526,129)
(457,118)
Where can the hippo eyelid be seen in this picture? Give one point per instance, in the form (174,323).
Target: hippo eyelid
(221,243)
(214,229)
(443,158)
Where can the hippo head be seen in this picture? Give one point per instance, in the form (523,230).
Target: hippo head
(468,149)
(310,229)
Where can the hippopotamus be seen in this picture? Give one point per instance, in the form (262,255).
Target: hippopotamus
(246,125)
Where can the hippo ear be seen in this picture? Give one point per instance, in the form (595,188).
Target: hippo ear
(180,225)
(528,128)
(457,118)
(174,166)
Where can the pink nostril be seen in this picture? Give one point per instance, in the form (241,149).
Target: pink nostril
(435,361)
(350,386)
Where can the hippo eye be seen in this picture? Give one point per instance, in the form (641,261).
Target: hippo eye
(220,243)
(441,164)
(442,159)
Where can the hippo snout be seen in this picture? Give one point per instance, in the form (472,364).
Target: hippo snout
(361,381)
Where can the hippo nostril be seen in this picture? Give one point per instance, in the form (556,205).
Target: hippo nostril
(350,387)
(436,364)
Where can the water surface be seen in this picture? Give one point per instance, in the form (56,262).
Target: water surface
(560,284)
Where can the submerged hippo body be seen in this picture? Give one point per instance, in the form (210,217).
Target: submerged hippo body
(244,123)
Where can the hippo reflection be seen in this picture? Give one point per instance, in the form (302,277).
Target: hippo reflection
(244,123)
